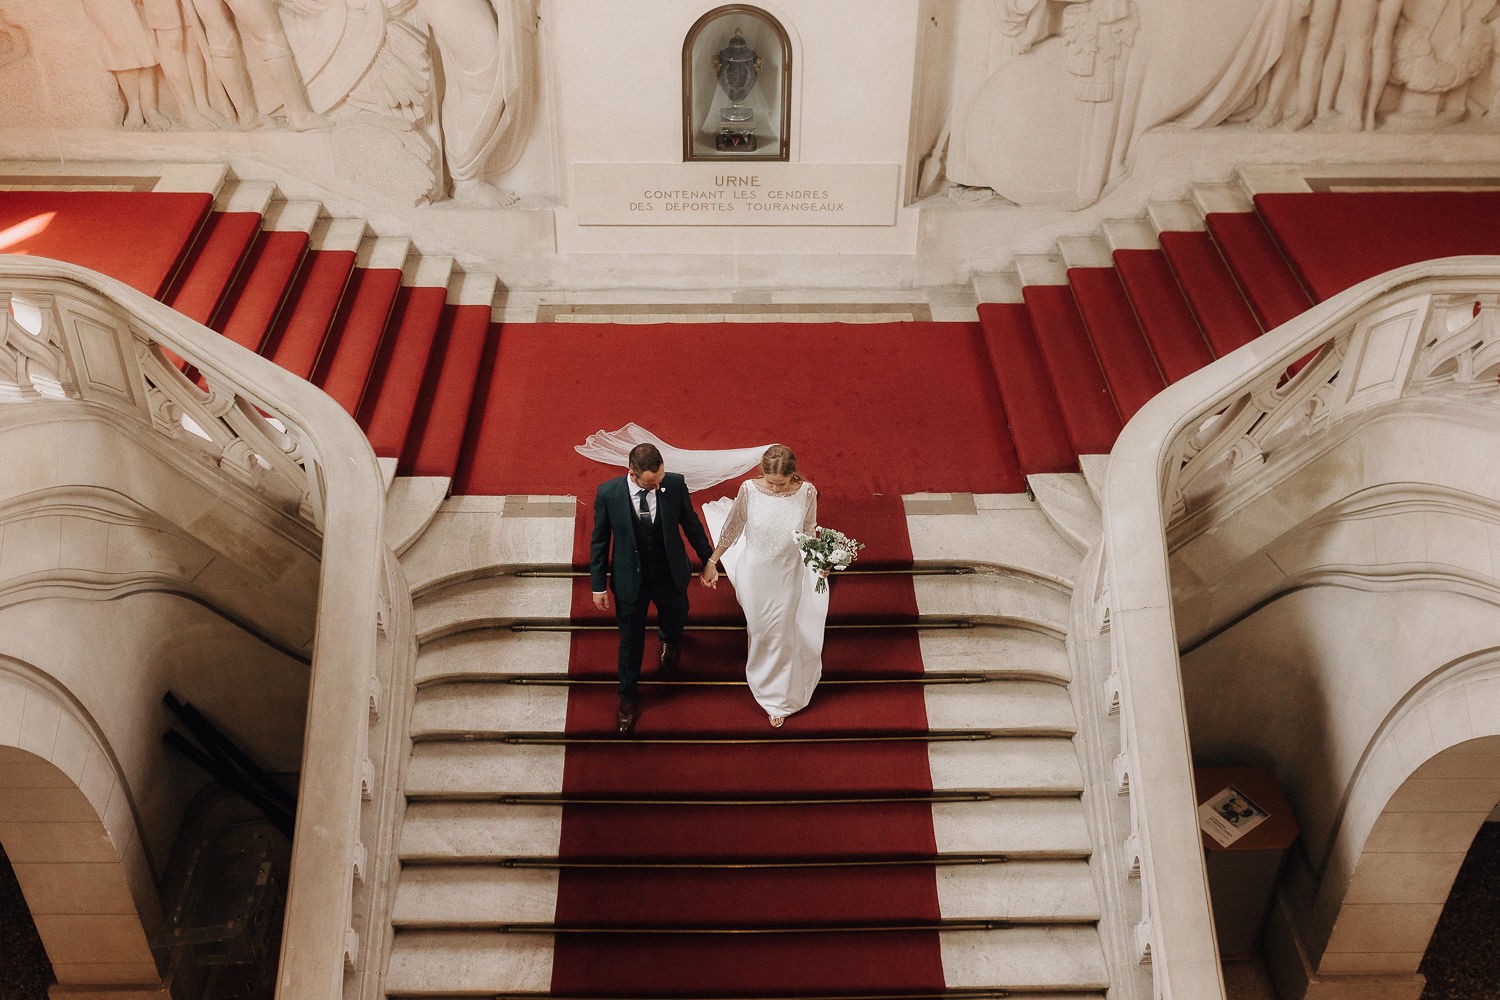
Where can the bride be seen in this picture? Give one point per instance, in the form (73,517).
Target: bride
(784,613)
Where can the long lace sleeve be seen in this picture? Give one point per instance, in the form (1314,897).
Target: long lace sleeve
(734,524)
(810,521)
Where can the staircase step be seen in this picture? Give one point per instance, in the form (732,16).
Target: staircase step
(411,503)
(1218,305)
(1165,316)
(249,310)
(211,265)
(466,896)
(1273,290)
(674,711)
(1226,197)
(995,597)
(1088,411)
(986,648)
(1115,332)
(313,302)
(500,652)
(1070,507)
(347,360)
(1175,217)
(390,401)
(1129,234)
(447,396)
(481,831)
(1013,766)
(491,599)
(1026,393)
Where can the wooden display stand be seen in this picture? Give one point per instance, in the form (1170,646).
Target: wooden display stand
(1242,876)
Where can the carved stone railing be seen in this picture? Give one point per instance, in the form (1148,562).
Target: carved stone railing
(1430,330)
(72,338)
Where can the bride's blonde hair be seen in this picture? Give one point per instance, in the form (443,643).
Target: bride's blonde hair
(779,460)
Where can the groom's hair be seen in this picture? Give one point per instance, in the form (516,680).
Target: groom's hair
(645,458)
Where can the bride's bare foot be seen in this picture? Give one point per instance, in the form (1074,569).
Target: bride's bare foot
(777,720)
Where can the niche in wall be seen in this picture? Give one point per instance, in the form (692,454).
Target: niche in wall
(736,87)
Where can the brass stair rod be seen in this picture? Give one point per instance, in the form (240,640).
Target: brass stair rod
(541,681)
(561,799)
(562,739)
(931,925)
(936,861)
(569,574)
(939,624)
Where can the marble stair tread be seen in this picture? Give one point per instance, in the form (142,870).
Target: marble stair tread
(1025,765)
(1175,216)
(500,598)
(1095,470)
(434,831)
(993,596)
(1056,957)
(996,706)
(480,830)
(435,963)
(1011,826)
(1033,765)
(1011,649)
(1041,269)
(459,895)
(432,963)
(473,536)
(1009,532)
(1130,234)
(998,286)
(1084,251)
(411,502)
(493,653)
(1065,498)
(1226,197)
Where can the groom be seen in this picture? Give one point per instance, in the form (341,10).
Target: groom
(643,516)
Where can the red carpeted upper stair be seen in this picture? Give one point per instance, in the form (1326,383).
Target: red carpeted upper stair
(447,392)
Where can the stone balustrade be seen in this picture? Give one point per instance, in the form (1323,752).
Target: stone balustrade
(74,338)
(1429,330)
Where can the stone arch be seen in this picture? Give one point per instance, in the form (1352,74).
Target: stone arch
(69,826)
(1430,777)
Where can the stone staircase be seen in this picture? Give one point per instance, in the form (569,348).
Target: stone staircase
(475,904)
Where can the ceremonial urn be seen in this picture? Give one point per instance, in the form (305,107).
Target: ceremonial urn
(736,66)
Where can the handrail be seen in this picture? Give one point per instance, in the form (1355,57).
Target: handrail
(70,333)
(1426,329)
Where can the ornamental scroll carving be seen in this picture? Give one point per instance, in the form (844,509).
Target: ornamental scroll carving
(1375,361)
(52,347)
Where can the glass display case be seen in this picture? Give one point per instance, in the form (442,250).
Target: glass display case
(736,86)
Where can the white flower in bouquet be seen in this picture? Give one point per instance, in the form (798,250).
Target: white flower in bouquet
(825,550)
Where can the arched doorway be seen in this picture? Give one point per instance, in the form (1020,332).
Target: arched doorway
(68,825)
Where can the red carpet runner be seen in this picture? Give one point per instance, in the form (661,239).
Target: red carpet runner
(682,832)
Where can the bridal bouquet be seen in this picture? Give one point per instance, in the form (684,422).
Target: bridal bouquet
(825,550)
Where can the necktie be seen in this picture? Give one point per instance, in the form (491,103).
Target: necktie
(645,510)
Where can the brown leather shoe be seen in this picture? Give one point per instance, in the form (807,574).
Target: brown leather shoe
(670,657)
(626,716)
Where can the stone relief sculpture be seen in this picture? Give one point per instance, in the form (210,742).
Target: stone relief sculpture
(1075,83)
(13,47)
(127,51)
(419,93)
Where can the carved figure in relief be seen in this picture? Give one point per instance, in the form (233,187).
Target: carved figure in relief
(486,49)
(181,60)
(126,50)
(259,23)
(1440,46)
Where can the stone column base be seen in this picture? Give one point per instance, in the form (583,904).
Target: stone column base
(1294,978)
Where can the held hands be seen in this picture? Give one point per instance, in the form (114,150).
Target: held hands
(710,575)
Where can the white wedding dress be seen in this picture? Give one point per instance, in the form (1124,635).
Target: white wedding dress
(784,613)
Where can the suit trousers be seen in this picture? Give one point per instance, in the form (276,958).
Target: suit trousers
(658,588)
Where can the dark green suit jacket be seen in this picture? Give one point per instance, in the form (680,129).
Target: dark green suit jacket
(613,560)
